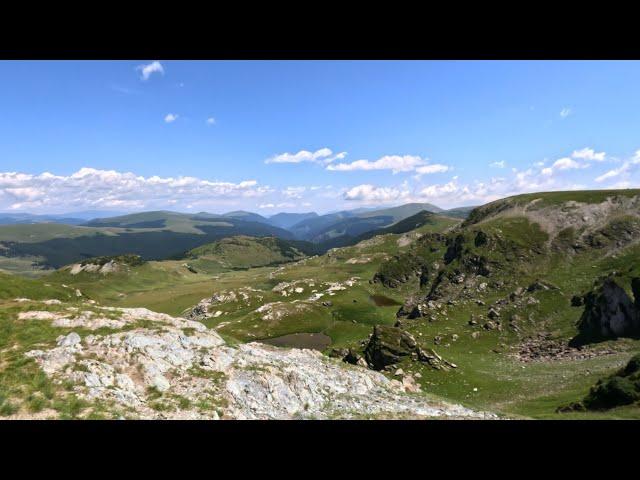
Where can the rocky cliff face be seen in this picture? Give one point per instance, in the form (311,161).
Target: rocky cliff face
(156,366)
(609,313)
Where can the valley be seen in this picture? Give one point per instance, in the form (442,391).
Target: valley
(484,313)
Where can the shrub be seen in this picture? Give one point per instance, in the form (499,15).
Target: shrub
(633,366)
(610,393)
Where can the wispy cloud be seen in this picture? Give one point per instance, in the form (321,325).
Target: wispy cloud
(211,121)
(565,112)
(395,163)
(500,164)
(147,70)
(171,117)
(322,156)
(625,168)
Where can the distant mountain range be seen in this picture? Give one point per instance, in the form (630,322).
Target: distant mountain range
(75,218)
(36,241)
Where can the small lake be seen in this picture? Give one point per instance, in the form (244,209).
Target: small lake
(314,341)
(382,301)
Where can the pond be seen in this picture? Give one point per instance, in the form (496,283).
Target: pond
(382,301)
(314,341)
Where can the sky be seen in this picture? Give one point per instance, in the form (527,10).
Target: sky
(296,136)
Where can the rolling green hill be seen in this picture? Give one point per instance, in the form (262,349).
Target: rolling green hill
(501,297)
(287,220)
(421,222)
(246,252)
(351,223)
(402,211)
(152,235)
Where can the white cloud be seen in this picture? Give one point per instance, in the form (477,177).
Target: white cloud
(589,154)
(500,164)
(211,121)
(578,159)
(612,173)
(432,168)
(565,112)
(561,164)
(293,192)
(90,188)
(395,163)
(322,156)
(437,191)
(147,70)
(171,117)
(622,169)
(266,205)
(367,193)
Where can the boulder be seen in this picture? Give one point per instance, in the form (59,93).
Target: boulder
(70,340)
(387,346)
(608,313)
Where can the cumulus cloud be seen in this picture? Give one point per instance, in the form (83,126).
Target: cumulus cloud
(565,112)
(561,164)
(147,70)
(211,121)
(395,163)
(589,154)
(577,159)
(171,117)
(90,188)
(368,193)
(322,156)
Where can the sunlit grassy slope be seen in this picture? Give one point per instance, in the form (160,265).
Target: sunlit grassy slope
(517,252)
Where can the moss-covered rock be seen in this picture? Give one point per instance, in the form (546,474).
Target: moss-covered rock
(388,345)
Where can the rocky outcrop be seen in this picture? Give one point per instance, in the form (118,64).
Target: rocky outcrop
(388,345)
(608,313)
(170,367)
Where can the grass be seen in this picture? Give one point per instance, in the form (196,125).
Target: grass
(488,376)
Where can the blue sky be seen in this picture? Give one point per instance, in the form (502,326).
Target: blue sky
(318,135)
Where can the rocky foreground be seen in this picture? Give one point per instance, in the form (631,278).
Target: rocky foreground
(154,366)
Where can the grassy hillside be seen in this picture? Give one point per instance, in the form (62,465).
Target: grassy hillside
(246,216)
(352,223)
(402,211)
(421,222)
(287,220)
(494,296)
(538,201)
(246,252)
(519,360)
(152,235)
(459,212)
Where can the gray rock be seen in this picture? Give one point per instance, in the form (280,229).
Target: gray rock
(608,313)
(70,340)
